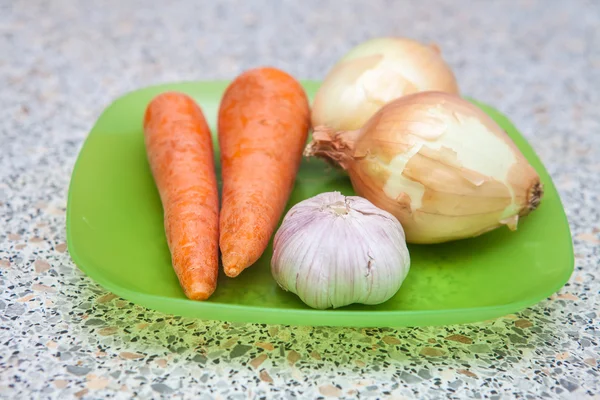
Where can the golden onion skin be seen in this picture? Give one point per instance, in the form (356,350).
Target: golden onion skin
(439,164)
(374,73)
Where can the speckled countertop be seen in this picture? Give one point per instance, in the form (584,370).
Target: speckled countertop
(64,336)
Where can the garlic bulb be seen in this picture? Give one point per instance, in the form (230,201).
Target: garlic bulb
(374,73)
(333,251)
(439,164)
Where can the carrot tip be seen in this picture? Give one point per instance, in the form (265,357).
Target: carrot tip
(233,269)
(199,291)
(234,262)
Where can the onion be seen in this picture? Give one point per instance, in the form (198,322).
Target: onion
(438,163)
(374,73)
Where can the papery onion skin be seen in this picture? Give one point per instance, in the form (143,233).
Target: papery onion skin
(374,73)
(439,164)
(333,250)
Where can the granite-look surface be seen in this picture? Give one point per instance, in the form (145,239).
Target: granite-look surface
(63,336)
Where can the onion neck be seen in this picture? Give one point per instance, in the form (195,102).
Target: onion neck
(337,147)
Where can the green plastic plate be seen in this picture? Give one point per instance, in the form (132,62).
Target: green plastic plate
(115,235)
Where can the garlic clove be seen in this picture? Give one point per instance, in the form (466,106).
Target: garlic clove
(333,251)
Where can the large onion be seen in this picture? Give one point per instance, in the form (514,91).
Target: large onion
(374,73)
(438,163)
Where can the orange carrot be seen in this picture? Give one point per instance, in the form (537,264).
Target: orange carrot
(263,125)
(180,154)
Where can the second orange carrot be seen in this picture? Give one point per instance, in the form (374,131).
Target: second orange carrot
(263,125)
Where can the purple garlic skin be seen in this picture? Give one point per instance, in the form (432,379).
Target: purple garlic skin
(333,250)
